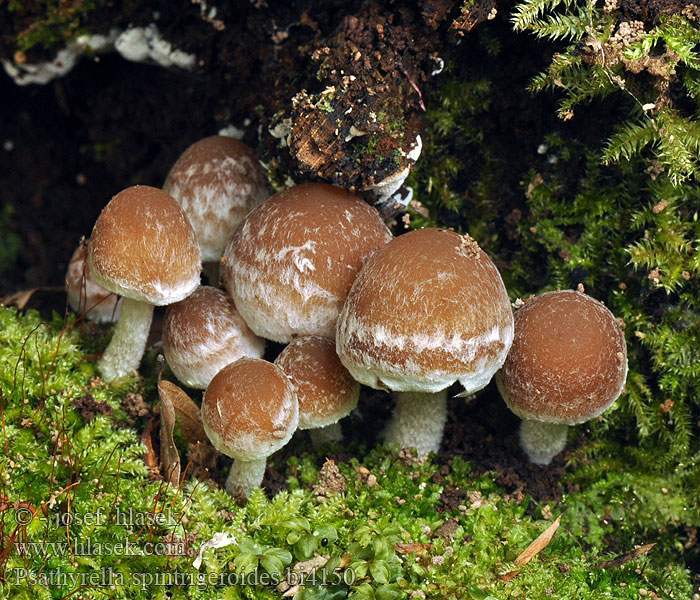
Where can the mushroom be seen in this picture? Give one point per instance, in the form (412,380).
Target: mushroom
(325,389)
(426,310)
(291,262)
(567,365)
(249,411)
(144,249)
(87,297)
(203,333)
(217,181)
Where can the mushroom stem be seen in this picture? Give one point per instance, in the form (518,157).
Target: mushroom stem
(330,434)
(542,441)
(418,421)
(124,352)
(245,475)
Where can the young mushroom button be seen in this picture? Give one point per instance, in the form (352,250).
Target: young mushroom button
(426,310)
(290,264)
(567,365)
(325,389)
(217,181)
(144,249)
(203,333)
(85,296)
(249,411)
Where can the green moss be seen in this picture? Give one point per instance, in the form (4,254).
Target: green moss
(388,536)
(51,22)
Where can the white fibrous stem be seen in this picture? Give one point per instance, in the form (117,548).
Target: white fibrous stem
(245,475)
(123,355)
(330,434)
(542,441)
(418,421)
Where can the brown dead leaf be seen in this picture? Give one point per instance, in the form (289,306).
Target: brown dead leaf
(186,412)
(411,548)
(506,577)
(622,559)
(169,456)
(21,299)
(292,591)
(540,543)
(147,439)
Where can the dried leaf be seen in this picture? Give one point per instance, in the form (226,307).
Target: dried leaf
(540,543)
(622,559)
(186,412)
(169,456)
(292,591)
(506,577)
(411,548)
(21,299)
(147,439)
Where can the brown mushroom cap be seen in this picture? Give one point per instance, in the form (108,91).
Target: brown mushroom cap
(291,262)
(203,333)
(144,248)
(250,409)
(86,296)
(568,362)
(325,389)
(427,309)
(217,181)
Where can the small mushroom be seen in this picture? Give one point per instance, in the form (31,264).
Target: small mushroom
(426,310)
(291,262)
(567,365)
(217,181)
(325,389)
(87,297)
(249,411)
(203,333)
(144,249)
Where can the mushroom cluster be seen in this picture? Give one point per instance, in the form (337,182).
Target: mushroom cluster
(316,268)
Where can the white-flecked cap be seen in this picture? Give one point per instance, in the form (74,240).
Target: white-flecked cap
(250,409)
(85,296)
(217,181)
(568,362)
(291,262)
(203,333)
(144,248)
(325,389)
(426,310)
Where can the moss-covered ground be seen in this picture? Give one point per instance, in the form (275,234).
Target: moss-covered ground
(81,515)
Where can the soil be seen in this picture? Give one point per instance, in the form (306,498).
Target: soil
(480,430)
